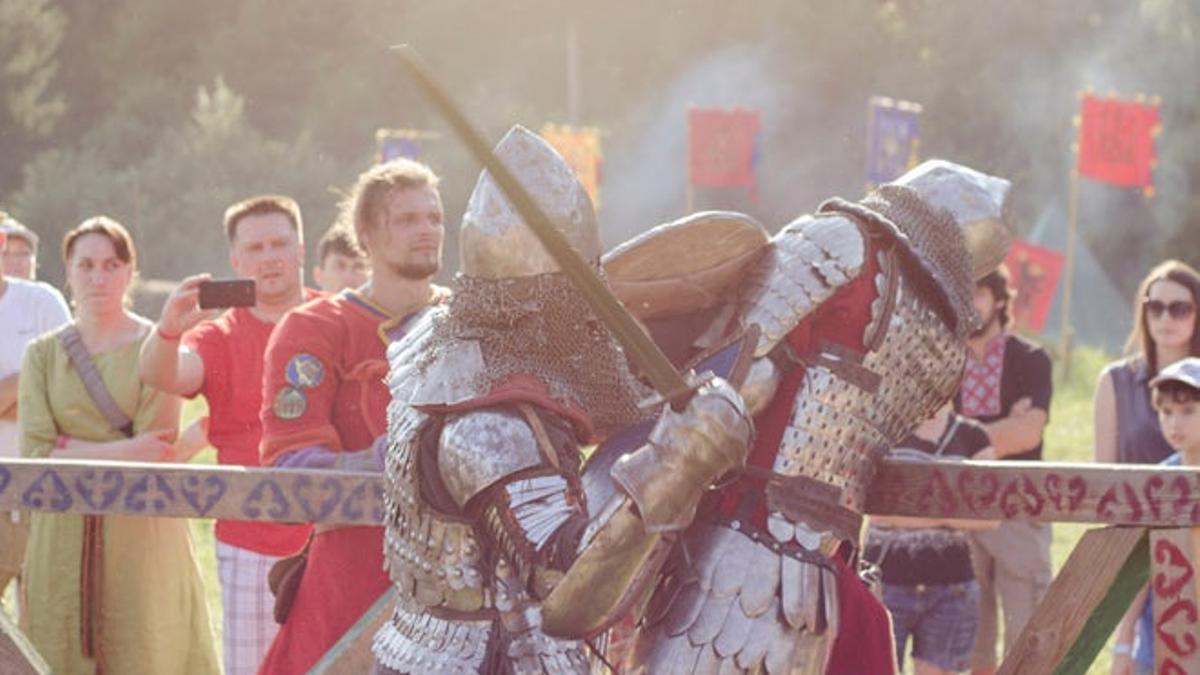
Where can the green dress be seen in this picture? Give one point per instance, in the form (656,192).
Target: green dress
(153,616)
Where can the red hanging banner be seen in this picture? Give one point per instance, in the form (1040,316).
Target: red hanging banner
(1116,141)
(1034,272)
(721,146)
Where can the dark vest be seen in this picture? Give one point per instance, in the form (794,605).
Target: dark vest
(1139,438)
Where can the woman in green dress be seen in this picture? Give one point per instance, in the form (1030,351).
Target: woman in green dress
(106,594)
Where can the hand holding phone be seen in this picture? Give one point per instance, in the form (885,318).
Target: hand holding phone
(222,293)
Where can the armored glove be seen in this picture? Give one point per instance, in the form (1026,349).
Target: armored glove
(687,451)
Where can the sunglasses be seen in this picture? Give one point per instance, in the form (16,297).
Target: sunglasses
(1178,309)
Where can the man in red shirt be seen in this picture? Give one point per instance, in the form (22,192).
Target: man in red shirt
(195,352)
(324,403)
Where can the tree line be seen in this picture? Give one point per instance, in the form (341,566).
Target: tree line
(160,113)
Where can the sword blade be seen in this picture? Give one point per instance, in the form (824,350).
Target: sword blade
(644,353)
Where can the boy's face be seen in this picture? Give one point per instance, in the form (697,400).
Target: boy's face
(339,271)
(1180,422)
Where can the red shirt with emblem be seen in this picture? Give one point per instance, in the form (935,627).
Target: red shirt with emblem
(324,382)
(324,387)
(232,348)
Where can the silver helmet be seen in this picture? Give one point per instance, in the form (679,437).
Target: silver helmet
(495,243)
(978,202)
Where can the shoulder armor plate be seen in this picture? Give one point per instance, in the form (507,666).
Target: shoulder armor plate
(481,447)
(807,262)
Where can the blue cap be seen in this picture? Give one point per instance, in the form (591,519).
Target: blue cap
(1186,371)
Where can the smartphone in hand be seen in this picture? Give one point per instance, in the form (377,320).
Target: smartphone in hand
(222,293)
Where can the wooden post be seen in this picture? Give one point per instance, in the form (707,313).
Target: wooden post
(17,655)
(352,653)
(1066,332)
(1173,593)
(574,81)
(1083,605)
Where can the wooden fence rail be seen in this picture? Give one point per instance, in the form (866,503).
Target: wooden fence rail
(1151,512)
(1043,491)
(191,491)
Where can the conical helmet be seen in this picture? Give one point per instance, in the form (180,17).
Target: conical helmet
(494,241)
(978,202)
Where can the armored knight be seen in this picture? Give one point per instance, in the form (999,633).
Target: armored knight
(495,537)
(864,309)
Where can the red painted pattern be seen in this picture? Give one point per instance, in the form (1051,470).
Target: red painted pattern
(1176,624)
(1059,495)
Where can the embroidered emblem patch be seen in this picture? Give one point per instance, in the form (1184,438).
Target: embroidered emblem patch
(290,403)
(304,371)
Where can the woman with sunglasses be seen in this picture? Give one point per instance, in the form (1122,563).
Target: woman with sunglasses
(1165,330)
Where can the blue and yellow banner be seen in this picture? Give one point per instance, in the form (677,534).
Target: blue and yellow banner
(408,143)
(893,138)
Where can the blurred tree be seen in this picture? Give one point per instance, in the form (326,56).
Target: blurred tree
(294,90)
(173,198)
(30,34)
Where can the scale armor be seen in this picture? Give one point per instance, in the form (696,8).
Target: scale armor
(744,598)
(459,609)
(502,558)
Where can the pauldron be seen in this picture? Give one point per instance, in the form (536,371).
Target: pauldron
(806,263)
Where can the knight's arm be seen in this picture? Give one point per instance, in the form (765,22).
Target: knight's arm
(587,554)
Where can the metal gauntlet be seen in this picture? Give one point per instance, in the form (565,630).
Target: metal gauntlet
(687,451)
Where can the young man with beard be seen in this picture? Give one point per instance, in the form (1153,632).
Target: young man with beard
(198,352)
(1007,387)
(324,399)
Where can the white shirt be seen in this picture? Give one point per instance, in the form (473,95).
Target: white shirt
(27,310)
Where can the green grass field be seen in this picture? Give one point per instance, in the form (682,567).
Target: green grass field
(202,530)
(1068,439)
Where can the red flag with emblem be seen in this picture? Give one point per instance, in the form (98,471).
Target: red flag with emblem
(721,147)
(1034,272)
(1116,141)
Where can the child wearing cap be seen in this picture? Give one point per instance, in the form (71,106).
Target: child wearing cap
(1175,395)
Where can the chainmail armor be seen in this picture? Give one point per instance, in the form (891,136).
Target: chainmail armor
(931,239)
(540,326)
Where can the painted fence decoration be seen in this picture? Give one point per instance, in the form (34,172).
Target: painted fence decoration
(191,491)
(1153,514)
(1042,491)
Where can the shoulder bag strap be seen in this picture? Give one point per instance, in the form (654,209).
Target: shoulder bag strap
(72,343)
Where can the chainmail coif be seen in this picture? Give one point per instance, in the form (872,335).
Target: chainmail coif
(541,326)
(932,239)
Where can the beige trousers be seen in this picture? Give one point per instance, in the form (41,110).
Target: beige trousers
(1012,564)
